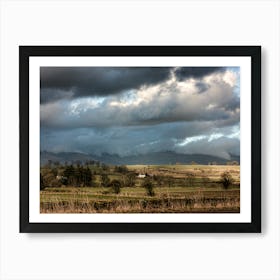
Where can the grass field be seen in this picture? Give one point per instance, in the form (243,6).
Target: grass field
(180,189)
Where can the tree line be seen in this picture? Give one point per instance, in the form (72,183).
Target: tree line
(78,176)
(82,176)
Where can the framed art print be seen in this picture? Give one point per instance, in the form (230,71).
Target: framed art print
(140,138)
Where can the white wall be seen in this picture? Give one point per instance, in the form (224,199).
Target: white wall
(138,256)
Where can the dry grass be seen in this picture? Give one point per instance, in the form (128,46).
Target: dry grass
(163,203)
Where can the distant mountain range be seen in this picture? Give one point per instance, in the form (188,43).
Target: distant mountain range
(167,157)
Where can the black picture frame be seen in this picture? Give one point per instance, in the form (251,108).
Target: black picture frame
(254,52)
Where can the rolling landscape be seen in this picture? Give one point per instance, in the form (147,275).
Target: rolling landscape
(86,185)
(139,140)
(167,157)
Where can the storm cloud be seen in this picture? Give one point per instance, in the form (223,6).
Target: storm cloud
(137,110)
(183,73)
(56,82)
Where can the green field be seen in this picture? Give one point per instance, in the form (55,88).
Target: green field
(175,189)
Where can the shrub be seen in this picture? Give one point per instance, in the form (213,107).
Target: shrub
(129,180)
(105,181)
(116,186)
(226,179)
(76,176)
(148,185)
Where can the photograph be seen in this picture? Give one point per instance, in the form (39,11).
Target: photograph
(140,139)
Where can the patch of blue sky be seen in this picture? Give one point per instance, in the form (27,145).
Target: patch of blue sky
(236,88)
(83,104)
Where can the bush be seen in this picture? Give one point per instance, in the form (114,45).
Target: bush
(76,176)
(226,179)
(129,180)
(105,181)
(148,185)
(116,186)
(47,179)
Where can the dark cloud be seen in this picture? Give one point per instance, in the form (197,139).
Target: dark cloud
(183,73)
(169,111)
(167,103)
(96,81)
(233,104)
(49,94)
(129,111)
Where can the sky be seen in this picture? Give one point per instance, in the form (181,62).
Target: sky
(138,110)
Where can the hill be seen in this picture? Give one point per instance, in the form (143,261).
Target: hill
(162,158)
